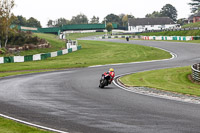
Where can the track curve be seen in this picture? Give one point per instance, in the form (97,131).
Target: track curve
(71,101)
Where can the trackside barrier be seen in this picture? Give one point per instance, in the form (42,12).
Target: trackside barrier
(120,36)
(181,38)
(1,60)
(196,72)
(43,56)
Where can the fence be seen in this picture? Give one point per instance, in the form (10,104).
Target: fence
(175,29)
(196,72)
(36,57)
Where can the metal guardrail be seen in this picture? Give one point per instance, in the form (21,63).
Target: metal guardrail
(196,72)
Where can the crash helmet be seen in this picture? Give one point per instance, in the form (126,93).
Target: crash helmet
(111,70)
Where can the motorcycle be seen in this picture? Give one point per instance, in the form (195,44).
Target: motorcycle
(105,79)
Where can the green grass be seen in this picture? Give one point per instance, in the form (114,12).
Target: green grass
(191,25)
(173,33)
(92,53)
(9,126)
(74,36)
(174,80)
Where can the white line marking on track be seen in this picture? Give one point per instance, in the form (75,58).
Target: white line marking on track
(31,124)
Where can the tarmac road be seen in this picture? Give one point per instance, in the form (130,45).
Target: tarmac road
(71,101)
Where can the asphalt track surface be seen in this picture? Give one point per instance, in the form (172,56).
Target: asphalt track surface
(71,101)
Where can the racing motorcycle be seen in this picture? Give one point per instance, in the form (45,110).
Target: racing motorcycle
(105,79)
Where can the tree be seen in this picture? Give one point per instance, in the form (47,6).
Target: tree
(50,23)
(19,20)
(112,18)
(94,20)
(181,21)
(195,6)
(155,14)
(32,22)
(61,21)
(6,17)
(79,19)
(125,20)
(169,11)
(109,27)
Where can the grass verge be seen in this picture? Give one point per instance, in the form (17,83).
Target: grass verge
(173,79)
(92,53)
(9,126)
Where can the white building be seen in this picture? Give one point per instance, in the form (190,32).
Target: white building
(145,24)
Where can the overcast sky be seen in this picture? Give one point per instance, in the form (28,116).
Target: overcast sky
(43,10)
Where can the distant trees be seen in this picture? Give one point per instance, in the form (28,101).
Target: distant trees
(22,21)
(79,19)
(153,15)
(94,20)
(195,6)
(121,20)
(6,17)
(167,11)
(113,18)
(109,27)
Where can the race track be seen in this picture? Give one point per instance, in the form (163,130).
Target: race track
(71,101)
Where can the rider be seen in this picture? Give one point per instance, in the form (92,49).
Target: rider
(112,74)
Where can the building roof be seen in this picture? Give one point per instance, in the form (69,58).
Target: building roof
(150,21)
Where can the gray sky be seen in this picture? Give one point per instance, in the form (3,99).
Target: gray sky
(43,10)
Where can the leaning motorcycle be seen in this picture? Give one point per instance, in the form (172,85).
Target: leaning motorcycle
(104,81)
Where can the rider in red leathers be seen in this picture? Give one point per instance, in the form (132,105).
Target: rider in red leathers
(111,73)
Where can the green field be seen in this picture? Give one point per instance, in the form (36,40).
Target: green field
(9,126)
(173,79)
(92,53)
(74,36)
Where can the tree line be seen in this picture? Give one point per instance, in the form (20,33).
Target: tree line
(22,21)
(120,20)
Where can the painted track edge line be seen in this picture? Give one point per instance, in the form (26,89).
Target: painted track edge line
(31,124)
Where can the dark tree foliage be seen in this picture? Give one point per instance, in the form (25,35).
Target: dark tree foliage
(169,11)
(79,19)
(22,21)
(155,14)
(112,18)
(195,6)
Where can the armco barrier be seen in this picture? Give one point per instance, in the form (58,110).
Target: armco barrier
(36,57)
(9,59)
(28,58)
(181,38)
(69,50)
(46,55)
(59,53)
(196,72)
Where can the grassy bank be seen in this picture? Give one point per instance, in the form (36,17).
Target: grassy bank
(173,33)
(92,53)
(174,80)
(191,25)
(9,126)
(74,36)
